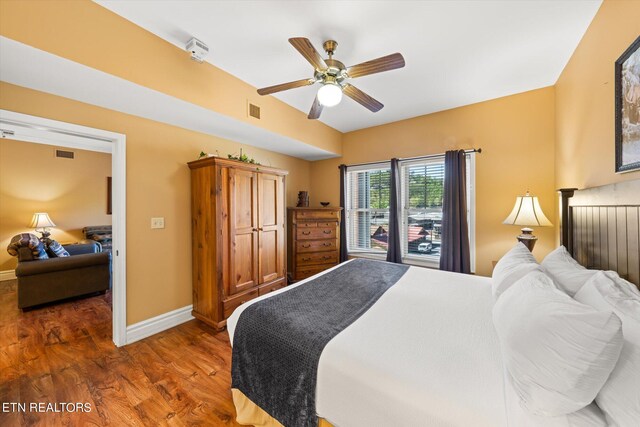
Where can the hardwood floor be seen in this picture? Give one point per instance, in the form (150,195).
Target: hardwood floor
(64,353)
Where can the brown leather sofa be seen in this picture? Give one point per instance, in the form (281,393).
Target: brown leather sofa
(86,271)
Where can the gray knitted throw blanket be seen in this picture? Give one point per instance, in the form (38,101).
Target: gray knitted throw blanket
(278,341)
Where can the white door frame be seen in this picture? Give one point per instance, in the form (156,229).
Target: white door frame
(23,127)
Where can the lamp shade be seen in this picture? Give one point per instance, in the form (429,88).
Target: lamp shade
(527,212)
(41,220)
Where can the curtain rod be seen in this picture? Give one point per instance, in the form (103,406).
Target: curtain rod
(430,156)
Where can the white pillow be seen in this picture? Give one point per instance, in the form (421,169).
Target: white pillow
(566,271)
(627,288)
(514,265)
(619,398)
(558,352)
(517,416)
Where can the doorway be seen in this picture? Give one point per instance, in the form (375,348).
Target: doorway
(23,127)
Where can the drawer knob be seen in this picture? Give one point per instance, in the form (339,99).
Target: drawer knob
(306,259)
(326,244)
(306,233)
(327,231)
(306,246)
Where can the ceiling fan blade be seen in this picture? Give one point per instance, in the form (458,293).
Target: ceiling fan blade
(310,53)
(386,63)
(316,109)
(285,86)
(362,98)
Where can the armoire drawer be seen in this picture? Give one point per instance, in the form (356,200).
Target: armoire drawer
(317,258)
(263,290)
(316,245)
(236,301)
(316,233)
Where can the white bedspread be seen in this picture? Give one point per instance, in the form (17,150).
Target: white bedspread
(426,354)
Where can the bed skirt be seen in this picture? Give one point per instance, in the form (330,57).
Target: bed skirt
(250,414)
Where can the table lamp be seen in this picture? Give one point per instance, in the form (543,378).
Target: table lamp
(528,213)
(41,222)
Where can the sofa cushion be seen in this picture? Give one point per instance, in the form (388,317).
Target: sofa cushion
(63,264)
(30,241)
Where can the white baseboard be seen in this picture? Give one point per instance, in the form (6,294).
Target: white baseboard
(160,323)
(7,275)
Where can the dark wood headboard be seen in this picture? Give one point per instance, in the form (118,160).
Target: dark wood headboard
(600,227)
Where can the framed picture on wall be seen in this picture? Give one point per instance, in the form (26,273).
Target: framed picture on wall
(627,74)
(108,195)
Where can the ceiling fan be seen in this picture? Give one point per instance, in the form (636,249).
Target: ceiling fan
(333,76)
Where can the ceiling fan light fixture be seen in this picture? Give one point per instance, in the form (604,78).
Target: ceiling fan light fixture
(330,94)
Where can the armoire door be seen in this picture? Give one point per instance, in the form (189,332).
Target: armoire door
(243,230)
(271,227)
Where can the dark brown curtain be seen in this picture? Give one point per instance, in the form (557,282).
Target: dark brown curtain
(394,252)
(454,251)
(343,204)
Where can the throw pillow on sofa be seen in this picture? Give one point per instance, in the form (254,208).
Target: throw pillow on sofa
(55,249)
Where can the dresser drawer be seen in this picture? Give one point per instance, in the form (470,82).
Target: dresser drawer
(318,214)
(329,224)
(316,233)
(234,302)
(317,258)
(304,272)
(307,224)
(316,246)
(263,290)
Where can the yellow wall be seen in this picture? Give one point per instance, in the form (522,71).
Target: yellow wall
(585,131)
(32,179)
(158,184)
(89,34)
(516,134)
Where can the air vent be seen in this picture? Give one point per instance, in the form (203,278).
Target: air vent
(65,154)
(254,111)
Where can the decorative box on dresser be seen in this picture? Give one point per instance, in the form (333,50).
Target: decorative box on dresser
(313,240)
(238,235)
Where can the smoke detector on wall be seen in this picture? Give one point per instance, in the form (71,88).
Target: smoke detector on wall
(198,49)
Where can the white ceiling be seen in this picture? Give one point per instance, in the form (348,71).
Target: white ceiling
(24,65)
(457,52)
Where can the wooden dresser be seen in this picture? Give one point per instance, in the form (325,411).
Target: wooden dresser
(238,235)
(313,241)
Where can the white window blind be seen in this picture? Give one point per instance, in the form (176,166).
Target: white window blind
(367,212)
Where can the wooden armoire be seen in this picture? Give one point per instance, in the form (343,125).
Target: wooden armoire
(238,235)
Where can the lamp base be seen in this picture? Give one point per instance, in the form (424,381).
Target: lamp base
(527,238)
(45,235)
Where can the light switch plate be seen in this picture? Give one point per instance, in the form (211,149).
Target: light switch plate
(157,222)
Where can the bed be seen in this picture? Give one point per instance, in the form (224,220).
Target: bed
(425,353)
(381,357)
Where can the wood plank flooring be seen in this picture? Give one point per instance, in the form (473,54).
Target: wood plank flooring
(64,353)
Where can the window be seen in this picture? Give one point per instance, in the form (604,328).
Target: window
(421,197)
(422,190)
(368,208)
